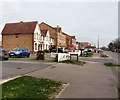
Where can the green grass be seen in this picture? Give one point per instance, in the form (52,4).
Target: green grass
(23,59)
(118,92)
(86,55)
(104,56)
(73,62)
(30,88)
(32,59)
(111,65)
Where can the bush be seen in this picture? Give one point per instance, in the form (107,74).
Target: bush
(104,55)
(47,51)
(40,55)
(56,58)
(65,52)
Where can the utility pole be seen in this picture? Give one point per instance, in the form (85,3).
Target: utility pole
(98,44)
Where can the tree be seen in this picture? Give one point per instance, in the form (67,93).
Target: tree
(114,45)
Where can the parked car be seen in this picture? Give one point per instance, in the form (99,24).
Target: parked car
(71,50)
(60,50)
(19,52)
(3,54)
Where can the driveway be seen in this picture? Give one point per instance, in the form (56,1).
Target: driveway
(16,68)
(88,81)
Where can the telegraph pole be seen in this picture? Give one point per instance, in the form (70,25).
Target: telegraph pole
(98,44)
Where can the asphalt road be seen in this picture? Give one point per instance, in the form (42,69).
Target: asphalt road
(16,68)
(114,56)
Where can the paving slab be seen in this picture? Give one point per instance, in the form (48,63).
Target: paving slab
(88,81)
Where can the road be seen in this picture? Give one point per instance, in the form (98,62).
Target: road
(114,56)
(16,68)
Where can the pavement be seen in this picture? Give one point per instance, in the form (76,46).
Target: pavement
(93,80)
(88,81)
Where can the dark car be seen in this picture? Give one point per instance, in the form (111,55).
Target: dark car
(3,54)
(19,52)
(60,50)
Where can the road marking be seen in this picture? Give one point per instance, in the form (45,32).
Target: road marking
(116,89)
(62,91)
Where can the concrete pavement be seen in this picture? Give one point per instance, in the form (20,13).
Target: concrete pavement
(88,81)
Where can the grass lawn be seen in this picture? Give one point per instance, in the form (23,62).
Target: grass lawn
(23,59)
(111,65)
(28,87)
(104,56)
(73,62)
(32,59)
(86,55)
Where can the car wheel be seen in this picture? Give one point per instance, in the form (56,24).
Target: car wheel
(5,58)
(20,56)
(28,55)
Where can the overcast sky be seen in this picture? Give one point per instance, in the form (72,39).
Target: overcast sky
(85,20)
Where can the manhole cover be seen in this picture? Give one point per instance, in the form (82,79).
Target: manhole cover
(18,68)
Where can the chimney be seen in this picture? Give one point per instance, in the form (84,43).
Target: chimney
(58,26)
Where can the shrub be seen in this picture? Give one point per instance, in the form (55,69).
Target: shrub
(40,55)
(47,51)
(104,55)
(65,52)
(56,58)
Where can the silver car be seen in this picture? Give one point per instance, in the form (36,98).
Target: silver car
(3,54)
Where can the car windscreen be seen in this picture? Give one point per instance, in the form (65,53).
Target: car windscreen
(17,49)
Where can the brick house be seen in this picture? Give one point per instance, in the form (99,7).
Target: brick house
(56,33)
(83,45)
(70,41)
(21,34)
(45,40)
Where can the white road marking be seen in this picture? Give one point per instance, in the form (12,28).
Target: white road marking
(62,90)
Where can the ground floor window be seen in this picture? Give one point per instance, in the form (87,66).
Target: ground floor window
(35,46)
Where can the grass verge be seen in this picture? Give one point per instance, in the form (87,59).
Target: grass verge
(86,55)
(104,56)
(111,65)
(28,87)
(73,62)
(118,92)
(32,59)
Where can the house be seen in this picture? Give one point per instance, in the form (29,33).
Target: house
(83,45)
(73,39)
(21,34)
(45,40)
(56,33)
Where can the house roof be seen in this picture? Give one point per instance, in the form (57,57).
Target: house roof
(57,29)
(44,32)
(84,42)
(92,47)
(54,28)
(19,28)
(73,37)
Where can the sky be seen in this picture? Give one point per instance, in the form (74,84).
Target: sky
(84,19)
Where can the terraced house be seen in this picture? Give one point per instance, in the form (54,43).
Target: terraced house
(25,34)
(61,39)
(35,36)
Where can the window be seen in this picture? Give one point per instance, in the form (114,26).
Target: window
(16,36)
(35,46)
